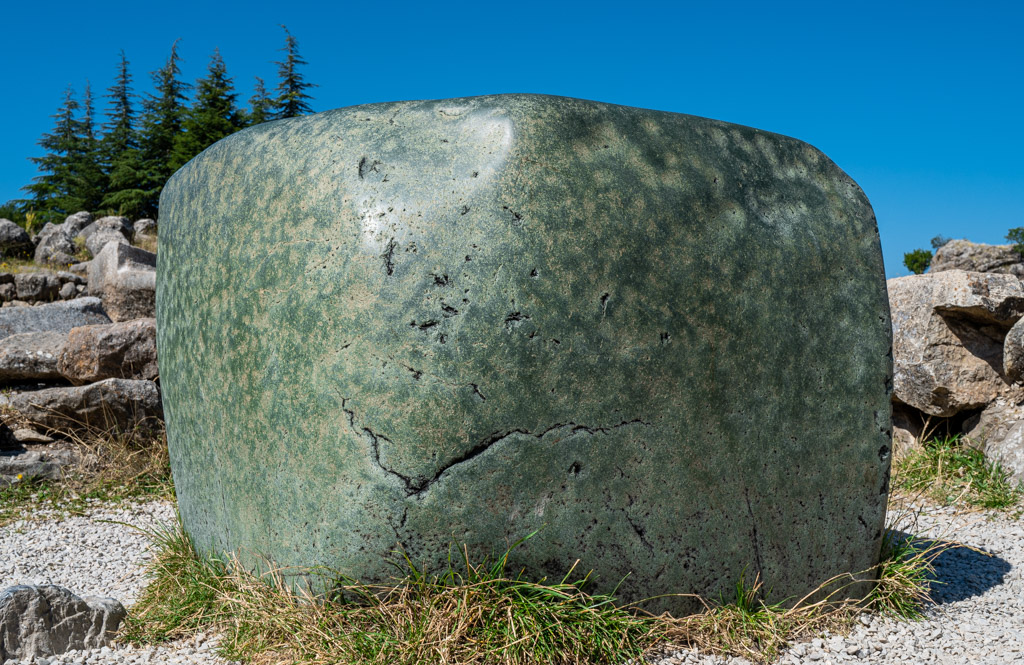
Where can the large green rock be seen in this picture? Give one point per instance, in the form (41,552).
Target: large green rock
(659,341)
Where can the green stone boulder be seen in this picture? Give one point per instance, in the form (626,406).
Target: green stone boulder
(659,343)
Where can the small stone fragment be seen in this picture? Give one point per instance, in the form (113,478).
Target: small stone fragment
(48,620)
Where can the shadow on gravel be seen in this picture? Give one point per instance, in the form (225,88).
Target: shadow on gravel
(962,573)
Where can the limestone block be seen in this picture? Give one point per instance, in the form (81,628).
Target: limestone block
(948,333)
(659,341)
(124,277)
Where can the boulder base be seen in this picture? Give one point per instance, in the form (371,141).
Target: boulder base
(660,342)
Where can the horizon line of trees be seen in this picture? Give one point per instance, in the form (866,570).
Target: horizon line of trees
(121,167)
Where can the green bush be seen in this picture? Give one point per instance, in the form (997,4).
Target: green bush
(917,261)
(1016,236)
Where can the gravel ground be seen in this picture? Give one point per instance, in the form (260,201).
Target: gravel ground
(978,617)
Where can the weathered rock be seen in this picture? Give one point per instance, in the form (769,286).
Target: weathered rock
(117,350)
(660,341)
(74,224)
(57,316)
(948,330)
(145,227)
(97,241)
(113,403)
(15,242)
(124,277)
(998,432)
(54,246)
(113,222)
(80,269)
(993,423)
(68,290)
(40,463)
(31,356)
(67,276)
(28,435)
(8,292)
(37,286)
(977,257)
(48,620)
(906,430)
(1013,352)
(8,440)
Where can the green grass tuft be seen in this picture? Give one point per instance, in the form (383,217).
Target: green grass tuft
(478,613)
(952,473)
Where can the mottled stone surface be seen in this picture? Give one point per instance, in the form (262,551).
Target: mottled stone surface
(660,341)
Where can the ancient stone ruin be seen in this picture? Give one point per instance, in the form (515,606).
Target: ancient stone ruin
(659,343)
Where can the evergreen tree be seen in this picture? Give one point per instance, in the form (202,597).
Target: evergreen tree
(212,117)
(52,191)
(291,91)
(161,122)
(119,155)
(90,181)
(260,105)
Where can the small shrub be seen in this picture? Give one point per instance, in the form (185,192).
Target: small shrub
(917,261)
(939,241)
(1016,236)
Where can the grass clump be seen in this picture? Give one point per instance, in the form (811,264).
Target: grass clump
(112,466)
(477,613)
(950,472)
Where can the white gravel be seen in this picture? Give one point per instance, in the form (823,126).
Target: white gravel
(979,616)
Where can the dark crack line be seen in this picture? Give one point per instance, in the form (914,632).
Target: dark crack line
(422,485)
(753,528)
(373,440)
(417,487)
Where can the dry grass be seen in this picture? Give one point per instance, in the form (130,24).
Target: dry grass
(478,613)
(147,243)
(112,466)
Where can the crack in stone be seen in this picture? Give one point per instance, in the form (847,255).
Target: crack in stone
(494,438)
(753,528)
(417,487)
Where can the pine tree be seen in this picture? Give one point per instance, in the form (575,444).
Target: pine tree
(90,181)
(161,122)
(291,91)
(211,118)
(119,155)
(260,105)
(52,190)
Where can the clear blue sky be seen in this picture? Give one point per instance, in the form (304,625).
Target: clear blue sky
(921,102)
